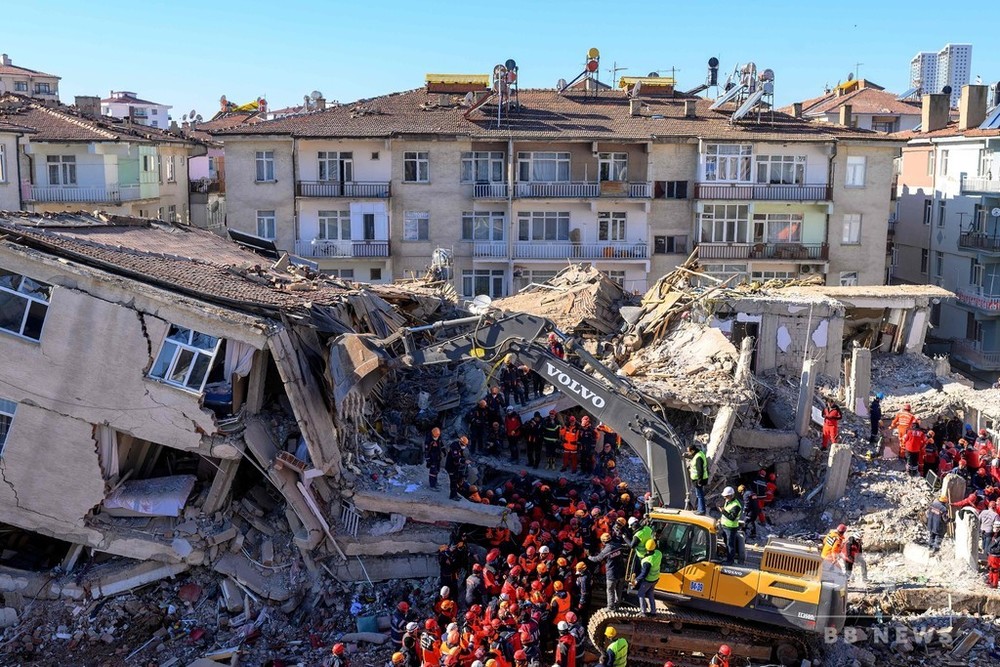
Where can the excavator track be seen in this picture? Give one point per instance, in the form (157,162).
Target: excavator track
(676,633)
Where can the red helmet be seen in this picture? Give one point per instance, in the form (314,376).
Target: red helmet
(521,655)
(430,624)
(403,607)
(841,528)
(982,432)
(338,649)
(724,650)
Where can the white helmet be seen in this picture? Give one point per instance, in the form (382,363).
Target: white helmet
(632,521)
(563,626)
(543,550)
(445,591)
(411,626)
(728,491)
(478,663)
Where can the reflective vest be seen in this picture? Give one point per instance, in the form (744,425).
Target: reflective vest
(562,603)
(550,431)
(644,533)
(654,565)
(734,508)
(570,436)
(693,467)
(832,545)
(619,649)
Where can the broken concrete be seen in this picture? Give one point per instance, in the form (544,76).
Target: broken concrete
(803,409)
(433,507)
(838,468)
(133,575)
(266,585)
(764,438)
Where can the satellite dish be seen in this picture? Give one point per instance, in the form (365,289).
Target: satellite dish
(713,62)
(636,88)
(850,76)
(946,90)
(480,304)
(767,75)
(315,94)
(198,118)
(510,64)
(653,75)
(560,84)
(191,113)
(469,97)
(184,118)
(593,53)
(995,212)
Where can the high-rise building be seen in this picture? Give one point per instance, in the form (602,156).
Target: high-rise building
(950,66)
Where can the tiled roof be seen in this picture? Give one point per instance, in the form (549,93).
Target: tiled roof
(14,70)
(949,130)
(11,127)
(866,100)
(129,100)
(545,114)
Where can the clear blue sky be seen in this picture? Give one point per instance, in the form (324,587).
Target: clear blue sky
(187,54)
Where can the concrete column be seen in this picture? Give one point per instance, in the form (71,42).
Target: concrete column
(860,383)
(918,330)
(803,408)
(221,484)
(717,440)
(967,541)
(838,467)
(783,472)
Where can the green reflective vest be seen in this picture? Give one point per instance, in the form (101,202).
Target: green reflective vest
(654,565)
(693,466)
(619,649)
(734,508)
(644,533)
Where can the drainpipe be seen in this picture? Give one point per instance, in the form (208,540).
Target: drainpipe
(17,169)
(295,202)
(830,173)
(510,214)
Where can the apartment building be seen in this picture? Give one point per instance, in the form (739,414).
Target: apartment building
(870,107)
(948,229)
(930,72)
(629,183)
(27,82)
(126,104)
(68,160)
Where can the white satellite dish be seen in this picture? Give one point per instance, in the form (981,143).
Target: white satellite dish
(561,84)
(198,118)
(480,305)
(636,88)
(191,113)
(469,98)
(315,94)
(995,212)
(184,118)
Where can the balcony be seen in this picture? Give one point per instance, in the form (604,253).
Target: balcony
(792,252)
(971,352)
(490,191)
(763,192)
(979,241)
(109,194)
(564,250)
(989,303)
(583,190)
(489,250)
(980,184)
(355,189)
(207,185)
(324,249)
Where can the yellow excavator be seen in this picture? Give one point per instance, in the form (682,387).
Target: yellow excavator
(765,608)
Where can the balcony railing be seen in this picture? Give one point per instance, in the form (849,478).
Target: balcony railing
(207,185)
(325,249)
(489,249)
(109,194)
(763,192)
(972,352)
(979,184)
(979,241)
(983,301)
(370,190)
(779,251)
(490,191)
(564,250)
(579,189)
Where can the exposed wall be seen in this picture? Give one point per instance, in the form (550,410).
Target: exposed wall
(672,217)
(10,188)
(244,196)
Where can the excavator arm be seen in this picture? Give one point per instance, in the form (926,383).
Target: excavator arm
(354,361)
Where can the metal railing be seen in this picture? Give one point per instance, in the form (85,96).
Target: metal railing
(565,250)
(640,190)
(373,190)
(72,193)
(207,185)
(979,299)
(972,352)
(763,192)
(490,191)
(490,249)
(568,189)
(979,184)
(323,248)
(979,241)
(780,251)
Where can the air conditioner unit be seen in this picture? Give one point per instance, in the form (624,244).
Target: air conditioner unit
(811,268)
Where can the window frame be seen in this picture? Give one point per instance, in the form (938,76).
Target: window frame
(171,171)
(612,226)
(35,308)
(733,228)
(43,88)
(765,165)
(793,222)
(494,277)
(529,163)
(65,170)
(928,211)
(419,221)
(327,219)
(531,232)
(337,165)
(265,217)
(941,210)
(474,161)
(21,86)
(938,264)
(846,279)
(495,221)
(263,164)
(848,227)
(854,165)
(3,163)
(417,161)
(612,167)
(925,261)
(719,160)
(931,162)
(943,162)
(8,411)
(180,347)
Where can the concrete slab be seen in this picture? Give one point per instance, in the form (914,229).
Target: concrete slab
(132,576)
(431,507)
(243,571)
(764,438)
(385,568)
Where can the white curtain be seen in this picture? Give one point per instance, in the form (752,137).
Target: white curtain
(107,441)
(238,358)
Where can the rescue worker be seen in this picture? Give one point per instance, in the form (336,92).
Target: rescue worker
(613,556)
(582,587)
(988,520)
(616,651)
(555,347)
(532,432)
(398,659)
(587,441)
(560,603)
(913,443)
(731,512)
(550,438)
(831,423)
(875,416)
(570,436)
(430,644)
(833,544)
(721,658)
(455,464)
(494,439)
(698,473)
(752,513)
(497,404)
(993,561)
(901,422)
(510,380)
(432,454)
(649,574)
(937,520)
(852,556)
(479,421)
(338,656)
(512,426)
(640,535)
(565,646)
(397,622)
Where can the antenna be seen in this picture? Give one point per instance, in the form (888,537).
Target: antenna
(857,67)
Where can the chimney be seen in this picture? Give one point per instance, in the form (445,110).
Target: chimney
(934,112)
(690,108)
(320,103)
(4,59)
(797,109)
(845,115)
(88,105)
(972,107)
(634,107)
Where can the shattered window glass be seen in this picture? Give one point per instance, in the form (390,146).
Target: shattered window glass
(23,304)
(7,409)
(186,358)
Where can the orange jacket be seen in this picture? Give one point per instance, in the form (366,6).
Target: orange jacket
(570,435)
(901,422)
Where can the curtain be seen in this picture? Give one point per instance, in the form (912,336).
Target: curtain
(107,450)
(238,358)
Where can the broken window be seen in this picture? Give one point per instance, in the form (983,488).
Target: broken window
(185,358)
(23,304)
(7,409)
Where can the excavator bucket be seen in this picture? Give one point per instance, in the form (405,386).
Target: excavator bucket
(357,364)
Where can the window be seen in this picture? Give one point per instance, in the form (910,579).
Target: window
(265,166)
(781,169)
(161,213)
(374,156)
(944,162)
(170,169)
(543,167)
(617,276)
(185,358)
(375,274)
(3,165)
(525,277)
(172,213)
(848,278)
(266,224)
(482,167)
(43,88)
(612,166)
(334,166)
(855,177)
(724,223)
(884,125)
(777,228)
(543,226)
(20,86)
(928,209)
(772,275)
(938,264)
(154,123)
(23,304)
(670,189)
(416,167)
(62,169)
(346,274)
(725,271)
(415,225)
(335,225)
(368,226)
(483,226)
(211,167)
(930,162)
(924,260)
(483,281)
(976,273)
(153,111)
(7,409)
(985,162)
(852,229)
(159,167)
(611,226)
(727,162)
(147,163)
(940,215)
(669,245)
(978,223)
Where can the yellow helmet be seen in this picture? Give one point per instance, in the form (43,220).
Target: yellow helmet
(398,658)
(610,632)
(650,545)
